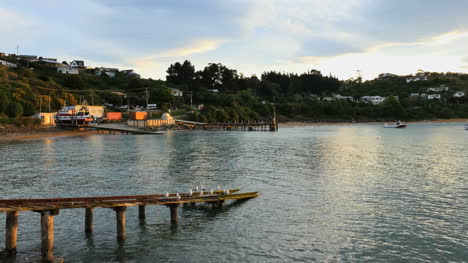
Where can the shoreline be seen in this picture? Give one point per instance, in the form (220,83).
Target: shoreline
(41,133)
(438,121)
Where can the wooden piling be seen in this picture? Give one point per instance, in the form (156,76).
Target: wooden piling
(11,232)
(174,216)
(47,235)
(89,220)
(120,215)
(141,212)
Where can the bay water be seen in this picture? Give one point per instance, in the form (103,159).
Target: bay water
(332,193)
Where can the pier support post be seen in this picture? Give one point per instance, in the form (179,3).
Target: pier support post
(47,234)
(11,232)
(120,214)
(218,204)
(174,216)
(89,220)
(141,212)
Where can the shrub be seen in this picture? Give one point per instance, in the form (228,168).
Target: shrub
(14,110)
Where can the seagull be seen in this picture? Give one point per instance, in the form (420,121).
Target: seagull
(226,192)
(190,193)
(201,193)
(196,188)
(166,195)
(211,192)
(219,187)
(177,196)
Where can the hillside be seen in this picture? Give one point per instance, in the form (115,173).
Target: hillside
(229,96)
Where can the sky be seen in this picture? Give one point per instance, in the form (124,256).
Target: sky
(253,36)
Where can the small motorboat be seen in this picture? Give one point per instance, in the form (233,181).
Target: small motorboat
(397,124)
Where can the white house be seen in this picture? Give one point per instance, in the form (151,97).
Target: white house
(177,92)
(459,94)
(111,72)
(77,64)
(433,96)
(441,88)
(65,69)
(416,78)
(373,99)
(339,97)
(7,64)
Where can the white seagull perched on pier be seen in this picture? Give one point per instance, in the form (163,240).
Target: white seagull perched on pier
(177,196)
(166,195)
(211,191)
(226,192)
(190,193)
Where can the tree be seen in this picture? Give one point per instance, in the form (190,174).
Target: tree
(14,109)
(4,101)
(134,85)
(216,75)
(75,82)
(179,74)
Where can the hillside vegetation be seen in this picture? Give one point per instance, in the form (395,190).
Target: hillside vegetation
(230,96)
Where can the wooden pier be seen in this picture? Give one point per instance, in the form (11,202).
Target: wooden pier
(48,208)
(110,130)
(232,126)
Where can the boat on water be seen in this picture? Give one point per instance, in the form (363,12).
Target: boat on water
(79,115)
(397,124)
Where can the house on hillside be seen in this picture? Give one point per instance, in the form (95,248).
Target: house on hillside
(28,57)
(130,73)
(441,88)
(111,72)
(384,76)
(177,92)
(48,61)
(77,64)
(339,97)
(66,69)
(7,64)
(373,99)
(2,54)
(459,94)
(420,76)
(433,96)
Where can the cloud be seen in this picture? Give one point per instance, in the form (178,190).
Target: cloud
(250,35)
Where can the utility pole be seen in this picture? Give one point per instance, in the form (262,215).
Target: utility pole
(191,94)
(147,97)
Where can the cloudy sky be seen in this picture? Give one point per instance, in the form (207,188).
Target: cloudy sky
(252,36)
